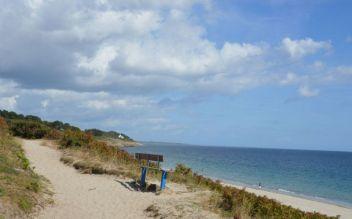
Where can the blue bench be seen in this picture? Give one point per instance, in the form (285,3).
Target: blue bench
(151,158)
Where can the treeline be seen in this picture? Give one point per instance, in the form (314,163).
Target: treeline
(33,127)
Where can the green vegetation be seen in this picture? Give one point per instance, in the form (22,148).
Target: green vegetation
(110,134)
(33,127)
(20,188)
(86,141)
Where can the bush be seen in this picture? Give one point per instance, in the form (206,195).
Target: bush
(53,134)
(3,126)
(75,139)
(28,129)
(80,139)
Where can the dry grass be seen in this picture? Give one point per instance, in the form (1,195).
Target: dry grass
(21,190)
(91,163)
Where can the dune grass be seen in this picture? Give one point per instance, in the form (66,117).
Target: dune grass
(21,190)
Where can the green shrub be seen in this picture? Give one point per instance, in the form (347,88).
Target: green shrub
(25,204)
(28,129)
(73,138)
(80,139)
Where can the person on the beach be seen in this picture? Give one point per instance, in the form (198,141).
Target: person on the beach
(260,185)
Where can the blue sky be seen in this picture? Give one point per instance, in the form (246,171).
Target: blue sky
(274,73)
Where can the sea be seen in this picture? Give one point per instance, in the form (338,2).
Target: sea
(319,175)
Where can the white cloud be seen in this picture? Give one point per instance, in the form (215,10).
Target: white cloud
(7,87)
(290,78)
(97,67)
(131,47)
(318,65)
(99,25)
(98,105)
(8,103)
(44,103)
(300,48)
(35,4)
(344,70)
(234,52)
(306,91)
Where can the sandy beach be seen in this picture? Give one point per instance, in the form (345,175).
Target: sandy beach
(99,196)
(302,203)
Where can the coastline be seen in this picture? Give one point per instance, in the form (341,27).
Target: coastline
(302,203)
(215,171)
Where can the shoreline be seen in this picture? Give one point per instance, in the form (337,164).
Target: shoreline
(296,200)
(286,192)
(302,202)
(281,191)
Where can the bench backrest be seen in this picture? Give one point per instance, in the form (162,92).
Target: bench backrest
(149,157)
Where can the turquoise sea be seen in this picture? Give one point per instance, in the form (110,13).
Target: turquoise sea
(322,175)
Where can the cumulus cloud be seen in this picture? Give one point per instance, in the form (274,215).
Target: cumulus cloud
(306,91)
(113,61)
(117,45)
(131,47)
(8,103)
(290,78)
(300,48)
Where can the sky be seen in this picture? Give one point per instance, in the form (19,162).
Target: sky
(250,73)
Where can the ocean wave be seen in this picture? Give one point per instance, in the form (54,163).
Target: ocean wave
(285,191)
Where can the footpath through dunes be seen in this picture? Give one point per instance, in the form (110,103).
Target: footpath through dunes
(79,195)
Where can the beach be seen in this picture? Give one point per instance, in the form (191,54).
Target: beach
(302,203)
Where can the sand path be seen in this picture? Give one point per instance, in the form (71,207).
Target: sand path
(85,196)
